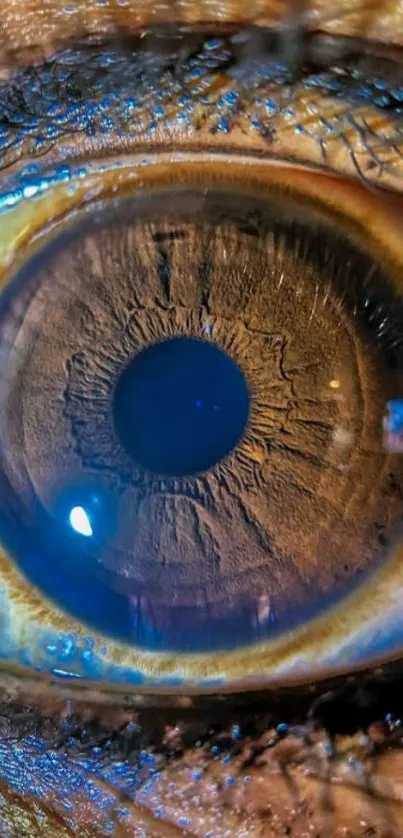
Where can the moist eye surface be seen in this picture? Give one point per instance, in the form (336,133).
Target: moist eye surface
(193,405)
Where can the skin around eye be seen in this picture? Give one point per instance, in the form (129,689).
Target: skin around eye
(66,23)
(344,118)
(97,763)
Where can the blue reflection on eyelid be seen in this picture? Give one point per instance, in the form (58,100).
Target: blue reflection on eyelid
(80,521)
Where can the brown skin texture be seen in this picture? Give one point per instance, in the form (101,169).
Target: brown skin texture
(335,772)
(37,26)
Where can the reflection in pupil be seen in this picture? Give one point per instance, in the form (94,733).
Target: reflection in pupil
(180,406)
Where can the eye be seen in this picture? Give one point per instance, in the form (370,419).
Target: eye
(201,390)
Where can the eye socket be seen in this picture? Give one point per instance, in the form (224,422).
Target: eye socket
(225,570)
(346,241)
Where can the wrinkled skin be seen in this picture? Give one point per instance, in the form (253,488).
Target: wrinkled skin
(337,768)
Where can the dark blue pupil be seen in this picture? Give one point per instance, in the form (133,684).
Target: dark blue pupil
(180,406)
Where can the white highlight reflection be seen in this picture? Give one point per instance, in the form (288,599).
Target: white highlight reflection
(80,521)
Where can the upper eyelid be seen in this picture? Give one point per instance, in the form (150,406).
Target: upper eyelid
(92,91)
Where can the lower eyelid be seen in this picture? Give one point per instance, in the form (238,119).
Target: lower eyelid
(48,700)
(158,767)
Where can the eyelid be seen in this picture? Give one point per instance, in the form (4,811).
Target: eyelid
(85,103)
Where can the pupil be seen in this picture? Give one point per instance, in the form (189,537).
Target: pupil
(180,406)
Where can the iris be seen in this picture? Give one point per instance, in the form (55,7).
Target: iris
(194,384)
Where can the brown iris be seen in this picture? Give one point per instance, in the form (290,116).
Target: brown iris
(214,528)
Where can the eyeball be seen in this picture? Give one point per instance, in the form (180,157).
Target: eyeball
(195,392)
